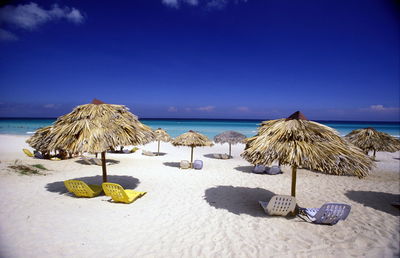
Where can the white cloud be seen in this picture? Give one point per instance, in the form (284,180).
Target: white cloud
(172,109)
(7,36)
(30,16)
(381,108)
(211,4)
(206,108)
(177,3)
(243,109)
(188,109)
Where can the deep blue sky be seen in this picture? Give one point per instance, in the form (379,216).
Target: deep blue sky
(333,60)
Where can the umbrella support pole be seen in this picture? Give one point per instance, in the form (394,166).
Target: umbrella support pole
(191,157)
(103,165)
(158,152)
(373,157)
(229,150)
(294,172)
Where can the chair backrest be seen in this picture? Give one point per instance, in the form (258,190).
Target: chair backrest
(259,169)
(281,205)
(79,188)
(217,156)
(198,164)
(185,164)
(331,213)
(224,156)
(274,170)
(27,152)
(116,192)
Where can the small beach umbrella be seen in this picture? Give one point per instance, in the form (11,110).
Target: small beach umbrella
(161,135)
(298,142)
(369,139)
(192,139)
(230,137)
(96,128)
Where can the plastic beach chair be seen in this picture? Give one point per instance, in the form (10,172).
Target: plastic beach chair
(81,189)
(28,152)
(259,169)
(329,213)
(198,164)
(217,156)
(184,164)
(119,194)
(148,153)
(279,205)
(273,170)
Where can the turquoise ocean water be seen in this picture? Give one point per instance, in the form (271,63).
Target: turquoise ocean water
(209,127)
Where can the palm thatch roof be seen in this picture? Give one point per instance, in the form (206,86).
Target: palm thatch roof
(369,139)
(230,137)
(162,135)
(94,128)
(297,142)
(39,140)
(192,139)
(301,143)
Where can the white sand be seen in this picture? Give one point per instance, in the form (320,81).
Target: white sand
(213,212)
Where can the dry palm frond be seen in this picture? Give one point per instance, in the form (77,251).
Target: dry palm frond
(162,135)
(369,139)
(192,139)
(39,139)
(301,143)
(95,128)
(230,137)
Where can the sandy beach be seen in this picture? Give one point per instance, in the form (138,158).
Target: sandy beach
(213,212)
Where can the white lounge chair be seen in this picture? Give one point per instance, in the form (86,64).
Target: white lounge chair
(280,205)
(184,164)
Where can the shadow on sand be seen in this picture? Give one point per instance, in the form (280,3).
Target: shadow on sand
(126,182)
(238,200)
(108,162)
(172,164)
(376,200)
(244,169)
(211,156)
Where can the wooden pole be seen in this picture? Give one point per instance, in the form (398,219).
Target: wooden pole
(373,157)
(294,171)
(229,150)
(191,157)
(103,165)
(158,152)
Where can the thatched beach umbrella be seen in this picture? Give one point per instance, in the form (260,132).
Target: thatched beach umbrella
(369,139)
(96,128)
(161,135)
(192,139)
(39,140)
(230,137)
(298,142)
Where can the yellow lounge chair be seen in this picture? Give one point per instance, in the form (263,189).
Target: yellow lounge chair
(119,194)
(28,152)
(81,189)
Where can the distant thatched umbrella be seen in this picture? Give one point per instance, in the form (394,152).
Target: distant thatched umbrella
(297,142)
(95,128)
(369,139)
(192,139)
(161,135)
(230,137)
